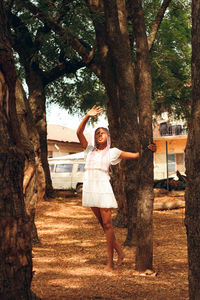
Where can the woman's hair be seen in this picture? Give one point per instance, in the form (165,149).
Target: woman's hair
(105,159)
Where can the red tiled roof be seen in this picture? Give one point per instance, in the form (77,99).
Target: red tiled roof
(63,134)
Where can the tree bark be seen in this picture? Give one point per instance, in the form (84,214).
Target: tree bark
(15,228)
(118,77)
(27,50)
(113,109)
(144,248)
(192,193)
(34,180)
(37,104)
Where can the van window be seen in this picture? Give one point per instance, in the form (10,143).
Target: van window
(64,168)
(51,167)
(81,168)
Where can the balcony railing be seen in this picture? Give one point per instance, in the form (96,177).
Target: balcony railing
(170,130)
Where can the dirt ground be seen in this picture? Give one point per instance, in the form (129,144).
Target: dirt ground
(70,262)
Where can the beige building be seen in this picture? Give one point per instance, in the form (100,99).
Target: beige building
(62,141)
(170,138)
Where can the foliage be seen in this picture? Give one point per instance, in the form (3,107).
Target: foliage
(170,63)
(170,56)
(73,91)
(76,95)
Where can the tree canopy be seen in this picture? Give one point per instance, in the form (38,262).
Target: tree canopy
(72,85)
(170,62)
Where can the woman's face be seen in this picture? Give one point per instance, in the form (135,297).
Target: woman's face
(101,137)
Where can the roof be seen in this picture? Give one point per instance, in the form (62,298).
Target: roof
(79,155)
(63,134)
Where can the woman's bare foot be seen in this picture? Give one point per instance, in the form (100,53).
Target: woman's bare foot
(121,257)
(108,268)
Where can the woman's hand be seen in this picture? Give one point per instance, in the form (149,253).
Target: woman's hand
(152,147)
(91,113)
(94,111)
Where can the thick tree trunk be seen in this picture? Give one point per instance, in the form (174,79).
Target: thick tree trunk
(118,184)
(15,228)
(27,50)
(34,180)
(127,133)
(118,178)
(144,250)
(118,78)
(37,104)
(192,193)
(113,110)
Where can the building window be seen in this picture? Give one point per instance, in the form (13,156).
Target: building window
(171,163)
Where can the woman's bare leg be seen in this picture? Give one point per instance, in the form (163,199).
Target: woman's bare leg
(105,219)
(107,226)
(116,246)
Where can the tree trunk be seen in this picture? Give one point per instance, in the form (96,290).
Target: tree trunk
(34,180)
(113,110)
(22,43)
(37,103)
(192,193)
(118,185)
(15,228)
(124,104)
(144,250)
(118,78)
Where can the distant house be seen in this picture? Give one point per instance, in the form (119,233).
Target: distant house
(62,141)
(170,138)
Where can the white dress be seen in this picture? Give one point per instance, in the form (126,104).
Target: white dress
(97,190)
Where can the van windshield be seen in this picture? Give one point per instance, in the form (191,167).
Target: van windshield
(64,168)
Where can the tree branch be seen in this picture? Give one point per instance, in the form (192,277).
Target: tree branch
(70,39)
(21,41)
(156,23)
(43,30)
(26,49)
(63,11)
(60,70)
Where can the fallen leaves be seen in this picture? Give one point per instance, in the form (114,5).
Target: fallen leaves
(70,263)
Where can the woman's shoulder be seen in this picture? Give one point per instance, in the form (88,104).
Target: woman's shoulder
(114,150)
(114,155)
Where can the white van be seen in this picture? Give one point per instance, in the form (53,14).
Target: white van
(67,171)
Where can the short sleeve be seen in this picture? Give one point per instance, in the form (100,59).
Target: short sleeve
(87,150)
(114,156)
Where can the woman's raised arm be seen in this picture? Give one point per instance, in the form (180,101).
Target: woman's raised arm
(91,113)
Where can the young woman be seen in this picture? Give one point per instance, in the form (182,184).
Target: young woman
(97,190)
